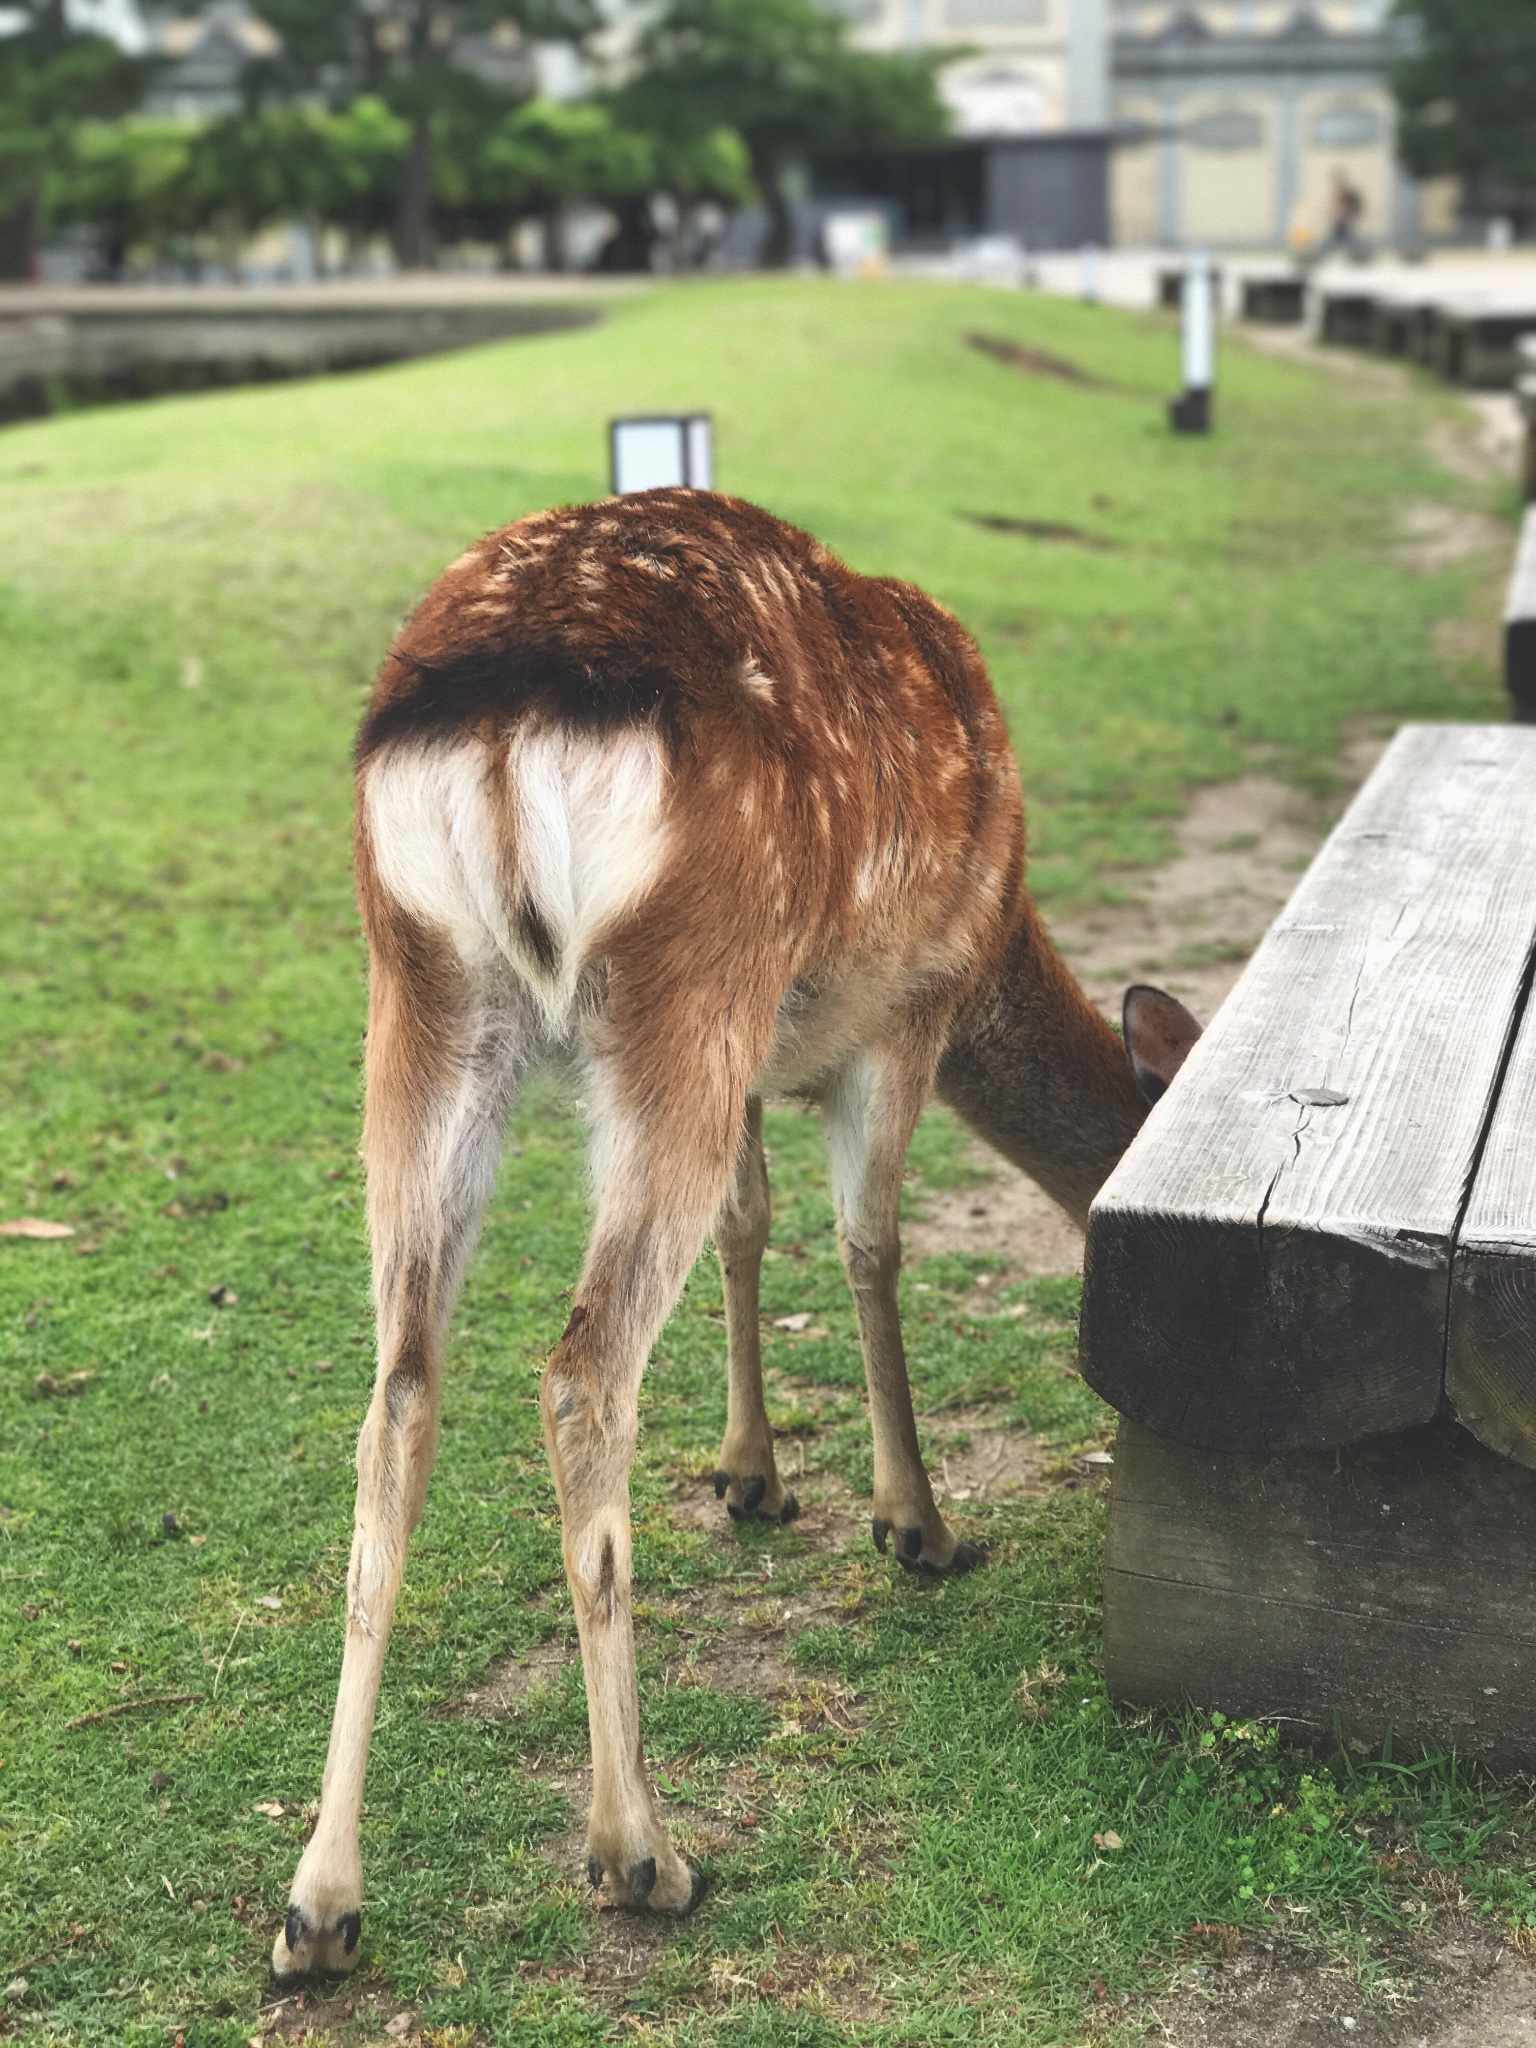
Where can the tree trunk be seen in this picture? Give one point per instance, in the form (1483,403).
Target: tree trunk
(413,233)
(18,233)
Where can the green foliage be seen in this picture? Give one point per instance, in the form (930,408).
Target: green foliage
(783,76)
(1467,91)
(550,150)
(51,79)
(193,597)
(143,180)
(130,179)
(400,48)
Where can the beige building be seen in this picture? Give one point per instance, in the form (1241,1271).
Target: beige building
(1031,66)
(1240,122)
(1232,122)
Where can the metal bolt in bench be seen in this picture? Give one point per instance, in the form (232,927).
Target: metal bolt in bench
(1310,1289)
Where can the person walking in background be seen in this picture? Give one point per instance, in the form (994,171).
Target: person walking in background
(1346,207)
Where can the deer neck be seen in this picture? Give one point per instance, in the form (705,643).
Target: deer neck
(1034,1069)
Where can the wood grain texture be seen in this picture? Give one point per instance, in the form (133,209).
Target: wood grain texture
(1490,1367)
(1268,1267)
(1383,1587)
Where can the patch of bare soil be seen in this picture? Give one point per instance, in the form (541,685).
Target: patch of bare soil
(1461,1988)
(514,1677)
(350,2015)
(1006,1214)
(1435,535)
(978,1458)
(1485,448)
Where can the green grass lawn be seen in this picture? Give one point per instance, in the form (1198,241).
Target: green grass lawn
(193,597)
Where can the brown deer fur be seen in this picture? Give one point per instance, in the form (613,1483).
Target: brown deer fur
(659,785)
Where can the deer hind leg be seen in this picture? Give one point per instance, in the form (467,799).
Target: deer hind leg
(870,1114)
(748,1478)
(669,1107)
(445,1051)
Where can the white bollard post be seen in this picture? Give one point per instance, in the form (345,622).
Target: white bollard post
(1190,413)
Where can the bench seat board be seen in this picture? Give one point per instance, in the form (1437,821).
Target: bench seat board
(1385,1587)
(1269,1265)
(1490,1366)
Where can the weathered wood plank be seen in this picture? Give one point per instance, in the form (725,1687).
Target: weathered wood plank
(1268,1266)
(1388,1586)
(1490,1365)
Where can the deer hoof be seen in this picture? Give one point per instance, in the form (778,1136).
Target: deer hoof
(909,1554)
(964,1558)
(304,1949)
(754,1491)
(678,1892)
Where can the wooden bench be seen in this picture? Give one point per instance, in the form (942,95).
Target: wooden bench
(1310,1290)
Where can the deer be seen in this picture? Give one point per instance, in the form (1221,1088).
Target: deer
(657,786)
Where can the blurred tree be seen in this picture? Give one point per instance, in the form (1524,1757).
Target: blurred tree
(782,74)
(412,56)
(549,152)
(129,180)
(1467,92)
(51,78)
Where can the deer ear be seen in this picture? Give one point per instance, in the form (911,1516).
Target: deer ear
(1159,1032)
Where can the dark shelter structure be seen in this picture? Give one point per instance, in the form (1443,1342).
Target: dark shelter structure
(1049,191)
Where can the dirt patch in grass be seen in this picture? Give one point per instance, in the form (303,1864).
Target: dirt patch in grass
(512,1678)
(978,1458)
(1458,1988)
(352,2015)
(1034,362)
(1004,1213)
(1436,535)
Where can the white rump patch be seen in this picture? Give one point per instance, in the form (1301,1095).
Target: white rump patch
(589,840)
(587,844)
(434,843)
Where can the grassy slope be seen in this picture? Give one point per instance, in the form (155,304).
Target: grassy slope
(182,989)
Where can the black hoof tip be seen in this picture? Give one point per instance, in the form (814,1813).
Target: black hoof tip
(752,1494)
(594,1873)
(349,1927)
(736,1514)
(699,1888)
(909,1544)
(966,1558)
(789,1511)
(295,1928)
(642,1879)
(722,1481)
(880,1530)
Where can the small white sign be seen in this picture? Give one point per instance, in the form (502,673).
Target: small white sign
(857,244)
(662,452)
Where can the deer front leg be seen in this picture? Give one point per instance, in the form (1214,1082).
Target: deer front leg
(870,1115)
(747,1479)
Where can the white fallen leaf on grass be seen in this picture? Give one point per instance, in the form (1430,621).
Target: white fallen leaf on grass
(272,1808)
(35,1226)
(1108,1840)
(794,1324)
(268,1600)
